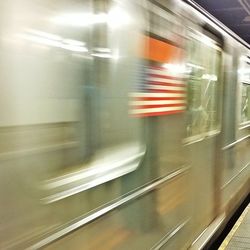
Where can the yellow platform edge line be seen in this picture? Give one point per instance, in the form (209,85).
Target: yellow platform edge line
(234,229)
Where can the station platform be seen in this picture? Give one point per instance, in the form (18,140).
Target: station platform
(239,236)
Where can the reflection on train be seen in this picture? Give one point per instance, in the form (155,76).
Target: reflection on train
(124,124)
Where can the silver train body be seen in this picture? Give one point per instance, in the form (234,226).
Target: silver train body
(123,125)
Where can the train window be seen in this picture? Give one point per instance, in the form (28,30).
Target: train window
(244,74)
(113,137)
(245,103)
(203,68)
(86,69)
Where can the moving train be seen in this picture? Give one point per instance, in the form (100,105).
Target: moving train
(123,124)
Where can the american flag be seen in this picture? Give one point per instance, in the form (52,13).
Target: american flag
(161,93)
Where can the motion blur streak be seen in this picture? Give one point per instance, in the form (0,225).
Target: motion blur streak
(123,124)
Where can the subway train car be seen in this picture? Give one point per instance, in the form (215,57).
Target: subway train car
(123,124)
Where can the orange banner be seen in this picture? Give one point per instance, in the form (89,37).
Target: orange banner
(160,51)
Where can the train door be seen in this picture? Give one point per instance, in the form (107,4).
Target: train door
(203,126)
(236,157)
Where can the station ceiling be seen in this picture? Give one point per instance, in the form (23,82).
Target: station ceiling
(235,14)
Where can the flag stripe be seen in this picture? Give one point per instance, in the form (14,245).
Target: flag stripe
(156,73)
(142,94)
(167,84)
(167,91)
(158,113)
(160,98)
(160,106)
(160,87)
(163,80)
(161,102)
(151,110)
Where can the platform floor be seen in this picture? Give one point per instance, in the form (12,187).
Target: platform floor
(239,237)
